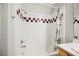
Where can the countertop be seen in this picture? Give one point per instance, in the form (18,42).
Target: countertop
(72,48)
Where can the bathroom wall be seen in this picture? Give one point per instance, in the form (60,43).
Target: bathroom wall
(68,22)
(11,29)
(39,37)
(76,8)
(76,21)
(4,28)
(0,30)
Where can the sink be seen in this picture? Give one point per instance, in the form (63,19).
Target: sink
(72,48)
(76,50)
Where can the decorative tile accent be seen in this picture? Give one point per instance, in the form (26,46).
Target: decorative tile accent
(51,21)
(55,20)
(77,21)
(33,18)
(20,15)
(41,19)
(24,17)
(18,11)
(35,21)
(56,17)
(38,20)
(29,19)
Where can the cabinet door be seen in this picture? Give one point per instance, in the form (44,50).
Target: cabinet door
(62,53)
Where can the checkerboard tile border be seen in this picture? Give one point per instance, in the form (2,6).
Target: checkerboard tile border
(75,20)
(30,19)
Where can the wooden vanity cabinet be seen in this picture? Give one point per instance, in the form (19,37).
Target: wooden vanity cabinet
(62,52)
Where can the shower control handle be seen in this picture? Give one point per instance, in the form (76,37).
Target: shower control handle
(22,41)
(13,17)
(23,46)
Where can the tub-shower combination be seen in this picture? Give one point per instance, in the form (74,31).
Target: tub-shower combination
(34,34)
(31,29)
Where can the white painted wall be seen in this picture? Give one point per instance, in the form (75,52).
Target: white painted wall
(4,28)
(68,20)
(76,8)
(11,30)
(0,30)
(76,25)
(68,23)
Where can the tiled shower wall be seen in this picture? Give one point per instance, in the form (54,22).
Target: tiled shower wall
(35,26)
